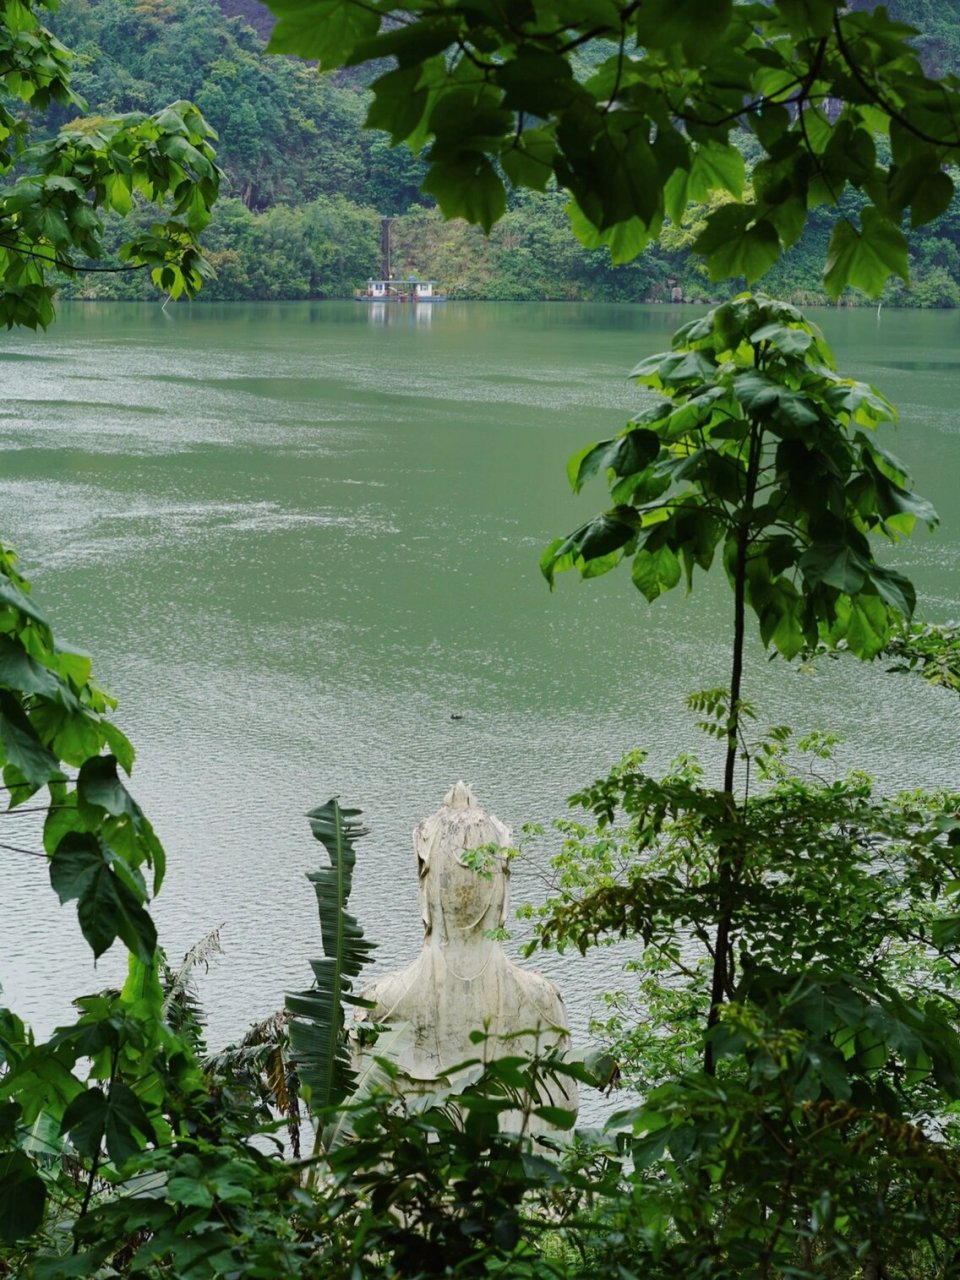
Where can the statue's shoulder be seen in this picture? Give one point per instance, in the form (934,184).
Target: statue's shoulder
(538,996)
(388,991)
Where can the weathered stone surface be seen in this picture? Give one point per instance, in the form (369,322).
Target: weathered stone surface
(462,981)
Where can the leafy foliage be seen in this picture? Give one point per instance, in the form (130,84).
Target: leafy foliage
(828,1124)
(760,450)
(52,715)
(647,126)
(286,136)
(797,941)
(931,650)
(312,183)
(435,1187)
(51,215)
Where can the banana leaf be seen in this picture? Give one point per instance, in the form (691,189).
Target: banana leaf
(316,1024)
(377,1072)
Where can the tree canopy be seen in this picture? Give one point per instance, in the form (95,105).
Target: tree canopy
(61,184)
(630,107)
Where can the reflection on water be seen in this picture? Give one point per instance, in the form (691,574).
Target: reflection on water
(409,313)
(297,538)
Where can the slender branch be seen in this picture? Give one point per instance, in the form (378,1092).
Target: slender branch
(878,97)
(802,120)
(784,98)
(595,32)
(745,752)
(95,1164)
(87,1196)
(15,848)
(740,571)
(65,264)
(750,108)
(723,977)
(36,808)
(475,60)
(674,960)
(620,56)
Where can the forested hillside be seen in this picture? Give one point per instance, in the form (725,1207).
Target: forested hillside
(307,188)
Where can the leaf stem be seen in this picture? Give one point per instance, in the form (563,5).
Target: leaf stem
(95,1163)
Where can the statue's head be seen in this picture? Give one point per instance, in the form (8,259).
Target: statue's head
(457,899)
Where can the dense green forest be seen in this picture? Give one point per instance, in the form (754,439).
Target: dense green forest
(791,1061)
(307,187)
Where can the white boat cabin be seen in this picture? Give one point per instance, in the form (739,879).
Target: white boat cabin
(407,290)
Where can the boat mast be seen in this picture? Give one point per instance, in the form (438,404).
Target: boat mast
(385,247)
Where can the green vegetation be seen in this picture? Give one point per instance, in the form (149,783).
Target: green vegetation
(316,250)
(313,184)
(794,1067)
(60,187)
(647,127)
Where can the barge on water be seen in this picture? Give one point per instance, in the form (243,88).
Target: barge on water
(409,290)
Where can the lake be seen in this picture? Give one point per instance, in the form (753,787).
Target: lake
(298,538)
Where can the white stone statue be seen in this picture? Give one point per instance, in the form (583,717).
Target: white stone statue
(462,981)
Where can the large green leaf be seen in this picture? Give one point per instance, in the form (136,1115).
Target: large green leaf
(927,193)
(625,180)
(22,747)
(778,606)
(625,455)
(864,622)
(12,596)
(661,24)
(328,30)
(711,168)
(806,17)
(837,564)
(98,784)
(466,185)
(85,1120)
(675,369)
(23,1195)
(624,241)
(537,82)
(735,244)
(788,341)
(867,256)
(894,500)
(23,674)
(114,1117)
(894,589)
(606,533)
(410,45)
(599,540)
(99,788)
(127,1124)
(529,161)
(398,103)
(107,907)
(655,571)
(317,1018)
(763,396)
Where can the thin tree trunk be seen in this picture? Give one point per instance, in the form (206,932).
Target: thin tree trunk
(728,868)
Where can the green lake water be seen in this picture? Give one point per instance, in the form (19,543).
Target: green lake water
(298,538)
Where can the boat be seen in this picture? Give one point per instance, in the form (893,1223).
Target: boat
(396,290)
(391,288)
